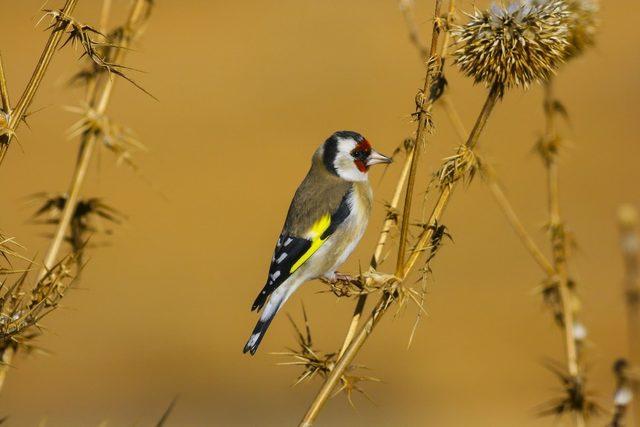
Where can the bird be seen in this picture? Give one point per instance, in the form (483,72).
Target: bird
(325,222)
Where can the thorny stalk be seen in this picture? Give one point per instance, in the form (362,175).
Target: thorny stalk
(499,195)
(447,189)
(406,7)
(630,246)
(388,223)
(559,240)
(21,311)
(446,102)
(423,105)
(4,91)
(17,114)
(623,395)
(90,138)
(101,96)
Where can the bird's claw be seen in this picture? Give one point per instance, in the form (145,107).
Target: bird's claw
(336,277)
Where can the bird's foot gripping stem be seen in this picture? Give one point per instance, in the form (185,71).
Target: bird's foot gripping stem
(336,277)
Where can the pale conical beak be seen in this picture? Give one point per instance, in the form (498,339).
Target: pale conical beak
(375,158)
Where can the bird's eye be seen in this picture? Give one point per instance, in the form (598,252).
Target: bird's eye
(359,154)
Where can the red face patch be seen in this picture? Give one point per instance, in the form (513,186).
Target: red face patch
(364,146)
(360,155)
(362,167)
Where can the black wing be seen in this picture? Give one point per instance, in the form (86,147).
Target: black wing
(290,249)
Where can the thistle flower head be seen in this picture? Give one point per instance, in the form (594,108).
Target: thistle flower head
(513,45)
(583,25)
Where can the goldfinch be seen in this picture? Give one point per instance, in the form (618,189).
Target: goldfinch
(327,218)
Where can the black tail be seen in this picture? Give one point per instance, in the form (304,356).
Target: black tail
(258,333)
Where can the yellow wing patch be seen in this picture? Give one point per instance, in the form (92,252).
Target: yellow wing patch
(316,231)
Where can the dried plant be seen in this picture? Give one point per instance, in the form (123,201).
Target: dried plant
(95,127)
(100,49)
(630,246)
(10,251)
(623,395)
(513,45)
(558,289)
(315,363)
(574,399)
(22,308)
(562,285)
(116,138)
(583,26)
(90,218)
(12,117)
(74,218)
(167,413)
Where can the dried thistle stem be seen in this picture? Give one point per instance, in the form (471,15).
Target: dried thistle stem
(38,74)
(102,97)
(5,363)
(87,146)
(345,361)
(513,219)
(630,246)
(434,68)
(4,92)
(499,195)
(377,256)
(406,7)
(446,191)
(559,243)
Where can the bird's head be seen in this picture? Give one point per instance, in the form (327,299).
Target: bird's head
(349,155)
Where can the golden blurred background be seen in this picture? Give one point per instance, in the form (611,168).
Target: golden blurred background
(247,91)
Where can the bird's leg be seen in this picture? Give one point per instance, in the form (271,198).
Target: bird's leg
(340,277)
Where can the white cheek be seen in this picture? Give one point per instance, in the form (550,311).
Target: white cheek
(344,164)
(348,170)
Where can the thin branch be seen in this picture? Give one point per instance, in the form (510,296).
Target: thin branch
(29,93)
(345,361)
(499,194)
(103,93)
(389,222)
(406,7)
(104,16)
(89,140)
(4,92)
(446,190)
(423,104)
(559,241)
(630,246)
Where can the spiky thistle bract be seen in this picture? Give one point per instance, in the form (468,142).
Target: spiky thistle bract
(88,219)
(574,396)
(21,308)
(316,363)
